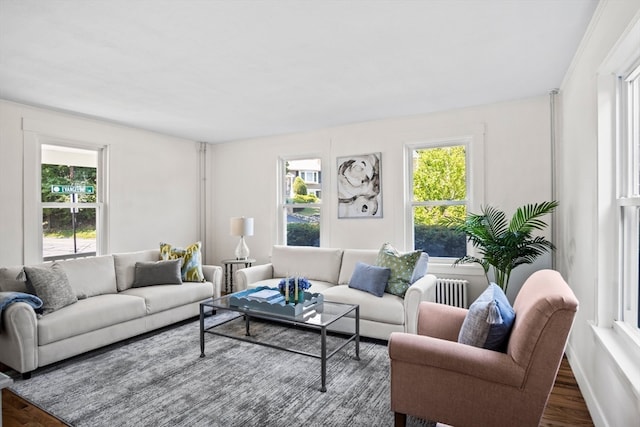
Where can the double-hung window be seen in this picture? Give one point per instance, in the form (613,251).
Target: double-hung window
(439,187)
(628,196)
(71,199)
(300,201)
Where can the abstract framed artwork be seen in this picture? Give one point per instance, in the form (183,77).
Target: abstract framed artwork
(359,190)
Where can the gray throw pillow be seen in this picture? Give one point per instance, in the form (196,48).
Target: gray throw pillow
(489,320)
(52,286)
(12,279)
(370,278)
(150,273)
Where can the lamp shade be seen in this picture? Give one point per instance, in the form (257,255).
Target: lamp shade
(241,226)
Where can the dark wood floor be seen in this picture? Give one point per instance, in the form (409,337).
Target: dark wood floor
(566,406)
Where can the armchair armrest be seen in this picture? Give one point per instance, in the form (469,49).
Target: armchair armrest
(451,358)
(19,337)
(246,276)
(423,289)
(213,274)
(440,320)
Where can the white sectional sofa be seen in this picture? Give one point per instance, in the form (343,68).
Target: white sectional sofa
(108,309)
(329,270)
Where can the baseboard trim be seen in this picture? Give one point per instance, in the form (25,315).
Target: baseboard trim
(586,389)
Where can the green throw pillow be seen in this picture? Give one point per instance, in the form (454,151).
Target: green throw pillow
(191,260)
(401,266)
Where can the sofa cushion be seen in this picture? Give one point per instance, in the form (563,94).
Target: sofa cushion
(191,260)
(349,259)
(51,285)
(91,276)
(488,321)
(12,279)
(157,273)
(370,278)
(313,263)
(388,309)
(401,265)
(88,315)
(125,266)
(165,297)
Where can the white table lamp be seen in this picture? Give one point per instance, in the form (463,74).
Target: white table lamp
(241,226)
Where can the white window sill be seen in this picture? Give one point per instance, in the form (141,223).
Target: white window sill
(623,345)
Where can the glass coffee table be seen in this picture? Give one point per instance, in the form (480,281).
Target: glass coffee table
(319,317)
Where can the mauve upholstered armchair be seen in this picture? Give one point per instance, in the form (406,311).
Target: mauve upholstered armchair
(434,377)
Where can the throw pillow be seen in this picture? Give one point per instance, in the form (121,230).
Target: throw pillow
(421,267)
(370,278)
(157,273)
(489,320)
(12,279)
(191,260)
(51,285)
(401,265)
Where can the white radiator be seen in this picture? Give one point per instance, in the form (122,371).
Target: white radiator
(452,292)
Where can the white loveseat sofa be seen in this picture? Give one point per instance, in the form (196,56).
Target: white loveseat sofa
(329,270)
(108,309)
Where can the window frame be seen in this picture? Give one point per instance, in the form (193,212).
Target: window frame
(33,206)
(98,205)
(282,204)
(475,179)
(621,339)
(628,196)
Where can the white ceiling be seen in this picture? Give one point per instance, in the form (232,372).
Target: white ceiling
(222,70)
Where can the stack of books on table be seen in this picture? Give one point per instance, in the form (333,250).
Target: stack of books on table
(266,295)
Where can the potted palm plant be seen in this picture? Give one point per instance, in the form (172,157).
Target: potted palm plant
(504,245)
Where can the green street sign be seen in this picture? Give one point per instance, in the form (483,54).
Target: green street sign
(69,189)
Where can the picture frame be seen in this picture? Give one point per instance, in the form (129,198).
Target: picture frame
(359,186)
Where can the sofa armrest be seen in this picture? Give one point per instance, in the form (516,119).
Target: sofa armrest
(19,337)
(246,276)
(213,274)
(423,289)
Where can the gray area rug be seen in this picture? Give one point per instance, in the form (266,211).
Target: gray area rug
(159,379)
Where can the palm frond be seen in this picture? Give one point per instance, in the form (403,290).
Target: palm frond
(504,245)
(527,218)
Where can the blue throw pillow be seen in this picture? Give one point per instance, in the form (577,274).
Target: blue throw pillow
(488,321)
(370,278)
(421,268)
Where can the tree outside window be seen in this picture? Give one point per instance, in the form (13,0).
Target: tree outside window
(439,176)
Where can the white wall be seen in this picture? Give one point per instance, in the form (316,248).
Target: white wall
(153,193)
(608,392)
(516,171)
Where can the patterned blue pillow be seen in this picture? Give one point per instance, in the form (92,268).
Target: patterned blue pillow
(489,320)
(191,260)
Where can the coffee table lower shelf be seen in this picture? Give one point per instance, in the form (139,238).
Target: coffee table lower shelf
(299,321)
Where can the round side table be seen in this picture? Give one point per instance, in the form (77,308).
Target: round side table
(228,270)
